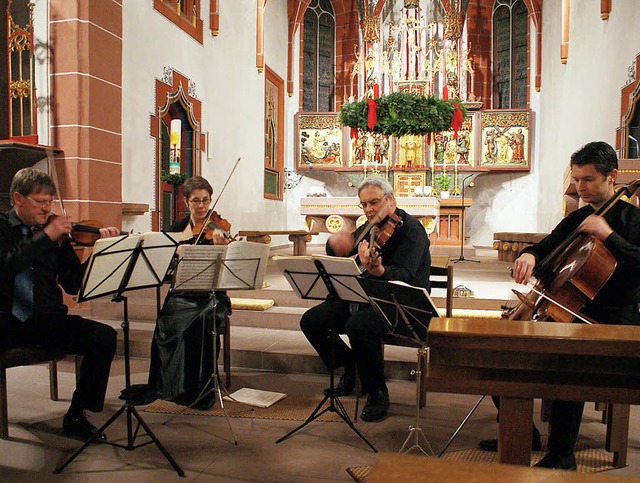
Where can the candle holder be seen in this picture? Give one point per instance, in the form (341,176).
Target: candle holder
(456,190)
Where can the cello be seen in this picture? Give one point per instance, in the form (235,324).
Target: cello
(570,275)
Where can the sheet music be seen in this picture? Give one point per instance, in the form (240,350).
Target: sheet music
(303,276)
(239,265)
(111,258)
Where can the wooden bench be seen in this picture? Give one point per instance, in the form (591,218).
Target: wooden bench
(511,244)
(300,238)
(22,356)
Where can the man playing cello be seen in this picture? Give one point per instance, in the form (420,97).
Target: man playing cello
(594,169)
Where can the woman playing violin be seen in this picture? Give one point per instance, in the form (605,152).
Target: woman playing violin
(183,342)
(399,252)
(594,169)
(34,263)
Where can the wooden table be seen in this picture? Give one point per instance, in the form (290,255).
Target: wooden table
(520,361)
(300,238)
(402,468)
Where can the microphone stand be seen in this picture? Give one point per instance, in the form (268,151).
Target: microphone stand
(463,232)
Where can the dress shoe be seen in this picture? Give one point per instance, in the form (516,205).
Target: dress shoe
(376,406)
(79,427)
(492,444)
(345,386)
(560,462)
(206,403)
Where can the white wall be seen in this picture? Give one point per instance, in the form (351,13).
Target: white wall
(232,94)
(578,102)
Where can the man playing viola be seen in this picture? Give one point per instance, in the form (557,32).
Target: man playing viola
(36,256)
(182,346)
(404,257)
(594,169)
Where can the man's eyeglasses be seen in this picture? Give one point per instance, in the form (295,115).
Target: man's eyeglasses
(41,203)
(373,203)
(197,201)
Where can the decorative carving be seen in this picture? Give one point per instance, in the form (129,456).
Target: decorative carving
(291,179)
(167,75)
(191,89)
(631,73)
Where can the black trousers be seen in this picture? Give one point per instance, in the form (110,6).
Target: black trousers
(365,331)
(73,335)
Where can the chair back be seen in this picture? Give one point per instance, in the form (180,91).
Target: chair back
(442,278)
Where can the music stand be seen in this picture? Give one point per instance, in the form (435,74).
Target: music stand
(406,311)
(208,268)
(116,266)
(325,278)
(462,258)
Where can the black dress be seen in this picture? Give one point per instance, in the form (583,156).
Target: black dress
(182,345)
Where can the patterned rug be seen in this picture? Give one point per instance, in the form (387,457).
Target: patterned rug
(291,408)
(589,460)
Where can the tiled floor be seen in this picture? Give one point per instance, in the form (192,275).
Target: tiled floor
(202,445)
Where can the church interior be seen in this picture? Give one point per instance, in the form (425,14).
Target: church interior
(470,109)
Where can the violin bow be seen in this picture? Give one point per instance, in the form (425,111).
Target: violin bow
(53,173)
(206,221)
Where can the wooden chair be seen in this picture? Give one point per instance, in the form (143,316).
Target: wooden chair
(23,356)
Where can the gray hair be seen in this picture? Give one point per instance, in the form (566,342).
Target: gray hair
(30,180)
(378,182)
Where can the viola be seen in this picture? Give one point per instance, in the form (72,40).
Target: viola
(573,273)
(387,230)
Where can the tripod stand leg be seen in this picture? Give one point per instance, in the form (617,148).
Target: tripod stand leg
(464,421)
(101,429)
(157,442)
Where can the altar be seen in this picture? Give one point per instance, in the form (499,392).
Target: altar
(441,218)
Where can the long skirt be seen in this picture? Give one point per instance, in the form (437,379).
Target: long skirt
(182,346)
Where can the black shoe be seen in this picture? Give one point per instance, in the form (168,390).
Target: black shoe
(376,406)
(79,427)
(560,462)
(346,385)
(492,444)
(206,403)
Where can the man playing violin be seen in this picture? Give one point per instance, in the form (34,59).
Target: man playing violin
(594,169)
(182,346)
(404,257)
(36,258)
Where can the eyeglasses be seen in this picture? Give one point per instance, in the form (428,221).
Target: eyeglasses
(197,201)
(41,203)
(373,203)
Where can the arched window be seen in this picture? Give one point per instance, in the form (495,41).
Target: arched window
(318,90)
(510,54)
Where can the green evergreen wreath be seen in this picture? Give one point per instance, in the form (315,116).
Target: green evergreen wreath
(402,113)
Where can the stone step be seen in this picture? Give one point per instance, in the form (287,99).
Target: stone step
(268,349)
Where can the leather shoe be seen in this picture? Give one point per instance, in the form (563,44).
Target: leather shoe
(79,427)
(205,403)
(560,462)
(376,406)
(492,444)
(345,386)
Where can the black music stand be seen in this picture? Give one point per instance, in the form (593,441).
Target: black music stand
(325,278)
(406,311)
(462,258)
(208,268)
(118,265)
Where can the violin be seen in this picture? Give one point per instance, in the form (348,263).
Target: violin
(85,233)
(204,229)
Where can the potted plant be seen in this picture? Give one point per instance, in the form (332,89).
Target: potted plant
(443,182)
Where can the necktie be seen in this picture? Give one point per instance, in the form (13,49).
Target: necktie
(23,288)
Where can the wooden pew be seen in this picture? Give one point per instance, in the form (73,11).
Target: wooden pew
(521,360)
(300,238)
(401,468)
